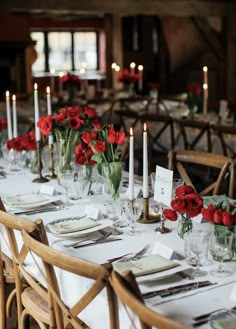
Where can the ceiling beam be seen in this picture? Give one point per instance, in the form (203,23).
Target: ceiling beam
(126,7)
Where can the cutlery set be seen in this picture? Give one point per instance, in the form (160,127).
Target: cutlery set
(38,211)
(177,289)
(204,318)
(130,256)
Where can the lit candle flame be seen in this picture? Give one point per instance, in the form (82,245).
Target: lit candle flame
(131,131)
(48,90)
(35,86)
(140,67)
(145,126)
(132,65)
(7,93)
(113,66)
(117,68)
(205,86)
(13,98)
(205,69)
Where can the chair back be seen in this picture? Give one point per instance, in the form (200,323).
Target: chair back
(193,132)
(217,167)
(127,290)
(11,226)
(53,260)
(225,134)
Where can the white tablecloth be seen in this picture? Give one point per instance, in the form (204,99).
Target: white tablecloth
(180,307)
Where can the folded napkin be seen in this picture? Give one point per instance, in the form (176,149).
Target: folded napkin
(71,224)
(25,199)
(145,265)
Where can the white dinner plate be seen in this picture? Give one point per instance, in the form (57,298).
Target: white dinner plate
(101,225)
(27,201)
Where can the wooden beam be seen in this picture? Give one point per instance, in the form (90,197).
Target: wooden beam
(127,7)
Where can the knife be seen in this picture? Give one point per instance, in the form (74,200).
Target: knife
(177,289)
(93,243)
(37,211)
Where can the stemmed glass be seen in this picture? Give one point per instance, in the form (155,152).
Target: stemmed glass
(221,250)
(134,210)
(197,243)
(66,181)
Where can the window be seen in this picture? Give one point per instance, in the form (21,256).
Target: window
(65,51)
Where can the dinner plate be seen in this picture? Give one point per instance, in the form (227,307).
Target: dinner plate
(101,225)
(27,201)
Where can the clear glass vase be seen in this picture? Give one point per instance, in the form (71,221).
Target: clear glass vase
(185,225)
(112,174)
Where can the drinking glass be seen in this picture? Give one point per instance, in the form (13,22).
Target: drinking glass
(67,181)
(134,210)
(197,243)
(221,250)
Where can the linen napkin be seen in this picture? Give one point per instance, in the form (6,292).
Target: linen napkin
(145,265)
(69,225)
(25,199)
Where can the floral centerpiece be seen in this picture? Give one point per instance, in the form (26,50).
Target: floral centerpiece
(222,215)
(67,126)
(71,82)
(193,98)
(128,79)
(187,204)
(103,145)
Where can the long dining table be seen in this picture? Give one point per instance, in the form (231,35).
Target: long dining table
(181,307)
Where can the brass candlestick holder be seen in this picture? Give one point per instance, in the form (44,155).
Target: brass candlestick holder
(52,174)
(40,179)
(146,217)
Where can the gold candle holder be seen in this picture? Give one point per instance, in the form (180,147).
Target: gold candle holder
(52,174)
(146,217)
(40,179)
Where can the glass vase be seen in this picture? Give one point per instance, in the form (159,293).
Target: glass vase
(112,173)
(220,231)
(185,225)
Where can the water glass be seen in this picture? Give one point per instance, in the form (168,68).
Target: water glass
(190,256)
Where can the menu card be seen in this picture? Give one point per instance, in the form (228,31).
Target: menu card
(145,265)
(163,185)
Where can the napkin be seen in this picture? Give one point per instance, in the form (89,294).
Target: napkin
(145,265)
(25,199)
(69,225)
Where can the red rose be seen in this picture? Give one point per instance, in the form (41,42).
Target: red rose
(207,213)
(227,218)
(179,205)
(45,124)
(97,126)
(217,216)
(80,158)
(100,146)
(183,190)
(74,123)
(86,137)
(170,214)
(194,204)
(74,111)
(90,112)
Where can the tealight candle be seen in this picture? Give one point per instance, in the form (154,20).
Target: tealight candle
(145,162)
(131,165)
(36,113)
(15,132)
(8,110)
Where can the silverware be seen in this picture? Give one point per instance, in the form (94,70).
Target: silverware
(206,315)
(38,211)
(178,289)
(74,244)
(95,243)
(134,255)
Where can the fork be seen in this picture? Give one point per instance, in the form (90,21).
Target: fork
(74,244)
(134,255)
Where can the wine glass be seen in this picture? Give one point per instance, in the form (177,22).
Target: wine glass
(66,181)
(134,210)
(221,250)
(197,242)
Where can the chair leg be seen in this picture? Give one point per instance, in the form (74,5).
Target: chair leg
(25,321)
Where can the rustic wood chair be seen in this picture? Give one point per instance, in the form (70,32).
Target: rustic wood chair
(11,224)
(63,316)
(201,130)
(127,290)
(222,168)
(222,132)
(127,118)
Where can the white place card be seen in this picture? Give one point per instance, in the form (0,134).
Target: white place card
(162,250)
(93,212)
(198,219)
(47,189)
(163,185)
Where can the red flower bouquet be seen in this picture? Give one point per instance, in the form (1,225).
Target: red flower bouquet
(23,143)
(193,96)
(188,204)
(67,126)
(70,79)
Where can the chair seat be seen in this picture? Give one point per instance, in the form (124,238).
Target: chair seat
(35,304)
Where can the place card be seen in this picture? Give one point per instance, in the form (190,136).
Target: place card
(93,212)
(47,189)
(162,250)
(198,219)
(163,185)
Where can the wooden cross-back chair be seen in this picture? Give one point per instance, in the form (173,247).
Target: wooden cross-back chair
(16,253)
(67,317)
(127,290)
(127,119)
(192,140)
(223,133)
(224,169)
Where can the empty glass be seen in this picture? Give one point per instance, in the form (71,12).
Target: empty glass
(190,256)
(66,181)
(221,250)
(134,209)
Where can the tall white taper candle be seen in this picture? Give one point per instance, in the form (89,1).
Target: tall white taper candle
(8,109)
(14,113)
(131,165)
(140,81)
(36,112)
(49,109)
(145,162)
